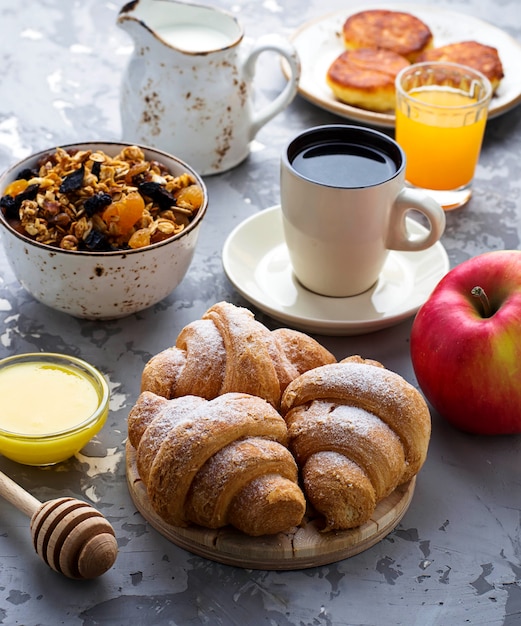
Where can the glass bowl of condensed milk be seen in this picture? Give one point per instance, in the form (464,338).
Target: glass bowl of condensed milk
(52,405)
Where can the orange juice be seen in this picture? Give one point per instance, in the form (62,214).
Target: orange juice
(441,133)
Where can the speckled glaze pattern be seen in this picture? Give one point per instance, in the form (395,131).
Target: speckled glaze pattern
(196,104)
(454,559)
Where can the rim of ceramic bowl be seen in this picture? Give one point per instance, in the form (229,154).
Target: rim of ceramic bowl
(94,376)
(82,145)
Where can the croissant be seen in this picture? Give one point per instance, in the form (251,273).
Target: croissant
(229,351)
(357,431)
(216,462)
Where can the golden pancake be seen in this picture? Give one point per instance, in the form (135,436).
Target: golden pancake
(399,32)
(480,57)
(365,78)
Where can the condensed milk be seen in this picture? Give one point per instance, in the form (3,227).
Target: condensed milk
(52,405)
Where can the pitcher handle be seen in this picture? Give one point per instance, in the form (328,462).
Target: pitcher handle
(273,43)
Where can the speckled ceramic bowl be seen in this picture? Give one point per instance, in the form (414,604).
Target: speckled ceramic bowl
(101,285)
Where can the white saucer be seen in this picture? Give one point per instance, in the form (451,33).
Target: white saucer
(256,261)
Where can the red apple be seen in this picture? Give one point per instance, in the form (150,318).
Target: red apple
(466,344)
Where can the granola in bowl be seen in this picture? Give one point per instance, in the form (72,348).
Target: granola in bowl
(88,200)
(100,230)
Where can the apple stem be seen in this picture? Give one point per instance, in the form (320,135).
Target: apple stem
(479,293)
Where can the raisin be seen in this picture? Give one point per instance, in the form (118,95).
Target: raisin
(158,194)
(10,207)
(97,203)
(97,241)
(149,189)
(26,174)
(96,169)
(139,179)
(29,193)
(73,181)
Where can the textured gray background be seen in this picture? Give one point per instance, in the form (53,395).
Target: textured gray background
(456,556)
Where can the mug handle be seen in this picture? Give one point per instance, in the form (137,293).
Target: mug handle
(273,43)
(399,237)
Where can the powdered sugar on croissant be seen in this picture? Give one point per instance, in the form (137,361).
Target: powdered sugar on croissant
(229,351)
(217,462)
(357,431)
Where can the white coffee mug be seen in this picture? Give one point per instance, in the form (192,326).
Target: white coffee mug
(344,206)
(188,85)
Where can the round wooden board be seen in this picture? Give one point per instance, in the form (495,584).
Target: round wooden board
(302,548)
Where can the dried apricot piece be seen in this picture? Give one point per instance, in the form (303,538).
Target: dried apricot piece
(16,187)
(125,212)
(192,195)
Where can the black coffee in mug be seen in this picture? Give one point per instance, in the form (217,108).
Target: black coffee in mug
(344,204)
(346,157)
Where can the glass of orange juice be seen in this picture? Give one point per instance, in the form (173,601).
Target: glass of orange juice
(441,112)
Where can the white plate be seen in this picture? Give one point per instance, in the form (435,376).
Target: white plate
(256,261)
(319,42)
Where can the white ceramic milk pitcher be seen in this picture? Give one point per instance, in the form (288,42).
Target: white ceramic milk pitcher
(188,85)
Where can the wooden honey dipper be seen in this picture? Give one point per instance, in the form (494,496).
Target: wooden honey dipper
(71,536)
